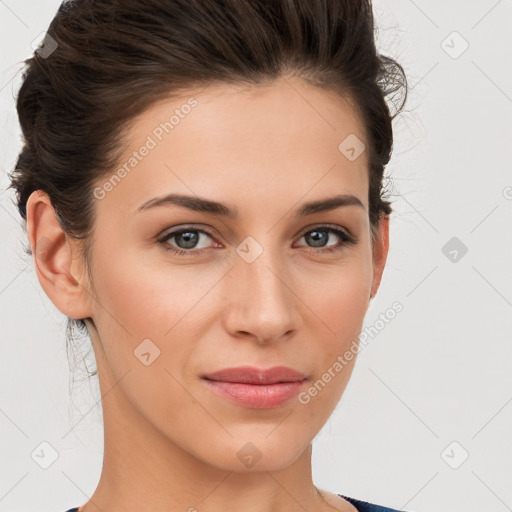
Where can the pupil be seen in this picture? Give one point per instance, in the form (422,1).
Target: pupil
(314,235)
(190,238)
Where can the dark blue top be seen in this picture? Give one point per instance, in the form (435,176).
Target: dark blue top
(362,506)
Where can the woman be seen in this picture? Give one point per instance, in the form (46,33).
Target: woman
(202,185)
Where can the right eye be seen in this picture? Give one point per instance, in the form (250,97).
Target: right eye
(186,240)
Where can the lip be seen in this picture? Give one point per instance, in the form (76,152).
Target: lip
(252,375)
(256,388)
(256,396)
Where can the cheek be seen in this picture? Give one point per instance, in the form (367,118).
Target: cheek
(143,299)
(340,299)
(128,309)
(129,299)
(137,304)
(138,300)
(341,307)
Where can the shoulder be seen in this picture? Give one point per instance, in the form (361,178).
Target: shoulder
(364,506)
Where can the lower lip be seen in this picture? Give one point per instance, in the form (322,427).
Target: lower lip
(256,396)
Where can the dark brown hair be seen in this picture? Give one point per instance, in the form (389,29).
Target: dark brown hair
(106,61)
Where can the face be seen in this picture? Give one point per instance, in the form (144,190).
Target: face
(181,292)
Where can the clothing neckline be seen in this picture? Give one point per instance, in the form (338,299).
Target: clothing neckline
(353,501)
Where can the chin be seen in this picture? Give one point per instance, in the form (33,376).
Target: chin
(254,454)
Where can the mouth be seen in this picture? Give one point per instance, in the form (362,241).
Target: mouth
(254,387)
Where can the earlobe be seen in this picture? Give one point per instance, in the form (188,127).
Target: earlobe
(53,258)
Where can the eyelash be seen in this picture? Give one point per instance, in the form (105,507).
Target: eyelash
(345,237)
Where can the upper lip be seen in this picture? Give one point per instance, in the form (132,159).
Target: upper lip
(252,375)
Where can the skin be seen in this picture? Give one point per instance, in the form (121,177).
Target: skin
(170,443)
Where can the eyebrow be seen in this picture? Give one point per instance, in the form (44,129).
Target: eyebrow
(208,206)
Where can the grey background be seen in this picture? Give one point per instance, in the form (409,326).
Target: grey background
(432,387)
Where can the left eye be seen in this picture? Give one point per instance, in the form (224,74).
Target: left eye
(320,234)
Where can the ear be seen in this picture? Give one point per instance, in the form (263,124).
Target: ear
(380,253)
(56,259)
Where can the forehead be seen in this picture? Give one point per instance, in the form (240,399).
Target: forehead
(286,135)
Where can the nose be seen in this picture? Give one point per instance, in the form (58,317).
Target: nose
(260,301)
